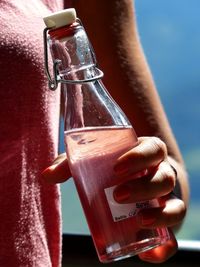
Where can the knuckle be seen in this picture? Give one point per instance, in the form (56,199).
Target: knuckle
(177,215)
(143,156)
(142,153)
(181,211)
(168,181)
(152,151)
(159,147)
(170,177)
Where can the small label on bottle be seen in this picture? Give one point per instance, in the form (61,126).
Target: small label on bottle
(124,211)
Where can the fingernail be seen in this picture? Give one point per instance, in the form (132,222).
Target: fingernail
(146,220)
(120,168)
(48,170)
(122,193)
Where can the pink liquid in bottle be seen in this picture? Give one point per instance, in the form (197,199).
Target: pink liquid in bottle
(92,154)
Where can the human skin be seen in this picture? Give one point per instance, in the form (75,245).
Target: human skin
(112,30)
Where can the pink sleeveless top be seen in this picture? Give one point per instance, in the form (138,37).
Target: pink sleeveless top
(29,120)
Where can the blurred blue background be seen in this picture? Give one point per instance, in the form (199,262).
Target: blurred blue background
(170,34)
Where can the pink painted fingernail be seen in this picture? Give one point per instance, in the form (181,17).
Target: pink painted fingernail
(48,170)
(146,220)
(122,193)
(120,168)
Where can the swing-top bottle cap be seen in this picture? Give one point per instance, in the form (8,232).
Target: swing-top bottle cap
(60,18)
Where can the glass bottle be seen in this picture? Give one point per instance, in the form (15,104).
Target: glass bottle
(97,133)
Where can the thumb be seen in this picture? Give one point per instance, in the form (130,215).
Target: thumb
(58,172)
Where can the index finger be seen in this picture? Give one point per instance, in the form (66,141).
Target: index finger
(149,152)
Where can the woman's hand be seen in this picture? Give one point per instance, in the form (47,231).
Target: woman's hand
(158,182)
(149,157)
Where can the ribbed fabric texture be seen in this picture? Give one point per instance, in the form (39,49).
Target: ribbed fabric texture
(30,231)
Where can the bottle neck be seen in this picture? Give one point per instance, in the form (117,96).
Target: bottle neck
(70,45)
(86,104)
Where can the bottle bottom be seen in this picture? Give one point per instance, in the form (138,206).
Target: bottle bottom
(116,253)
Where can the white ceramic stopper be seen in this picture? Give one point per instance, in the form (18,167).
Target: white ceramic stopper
(60,18)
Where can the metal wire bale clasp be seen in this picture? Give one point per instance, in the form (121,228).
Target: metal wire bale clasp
(53,82)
